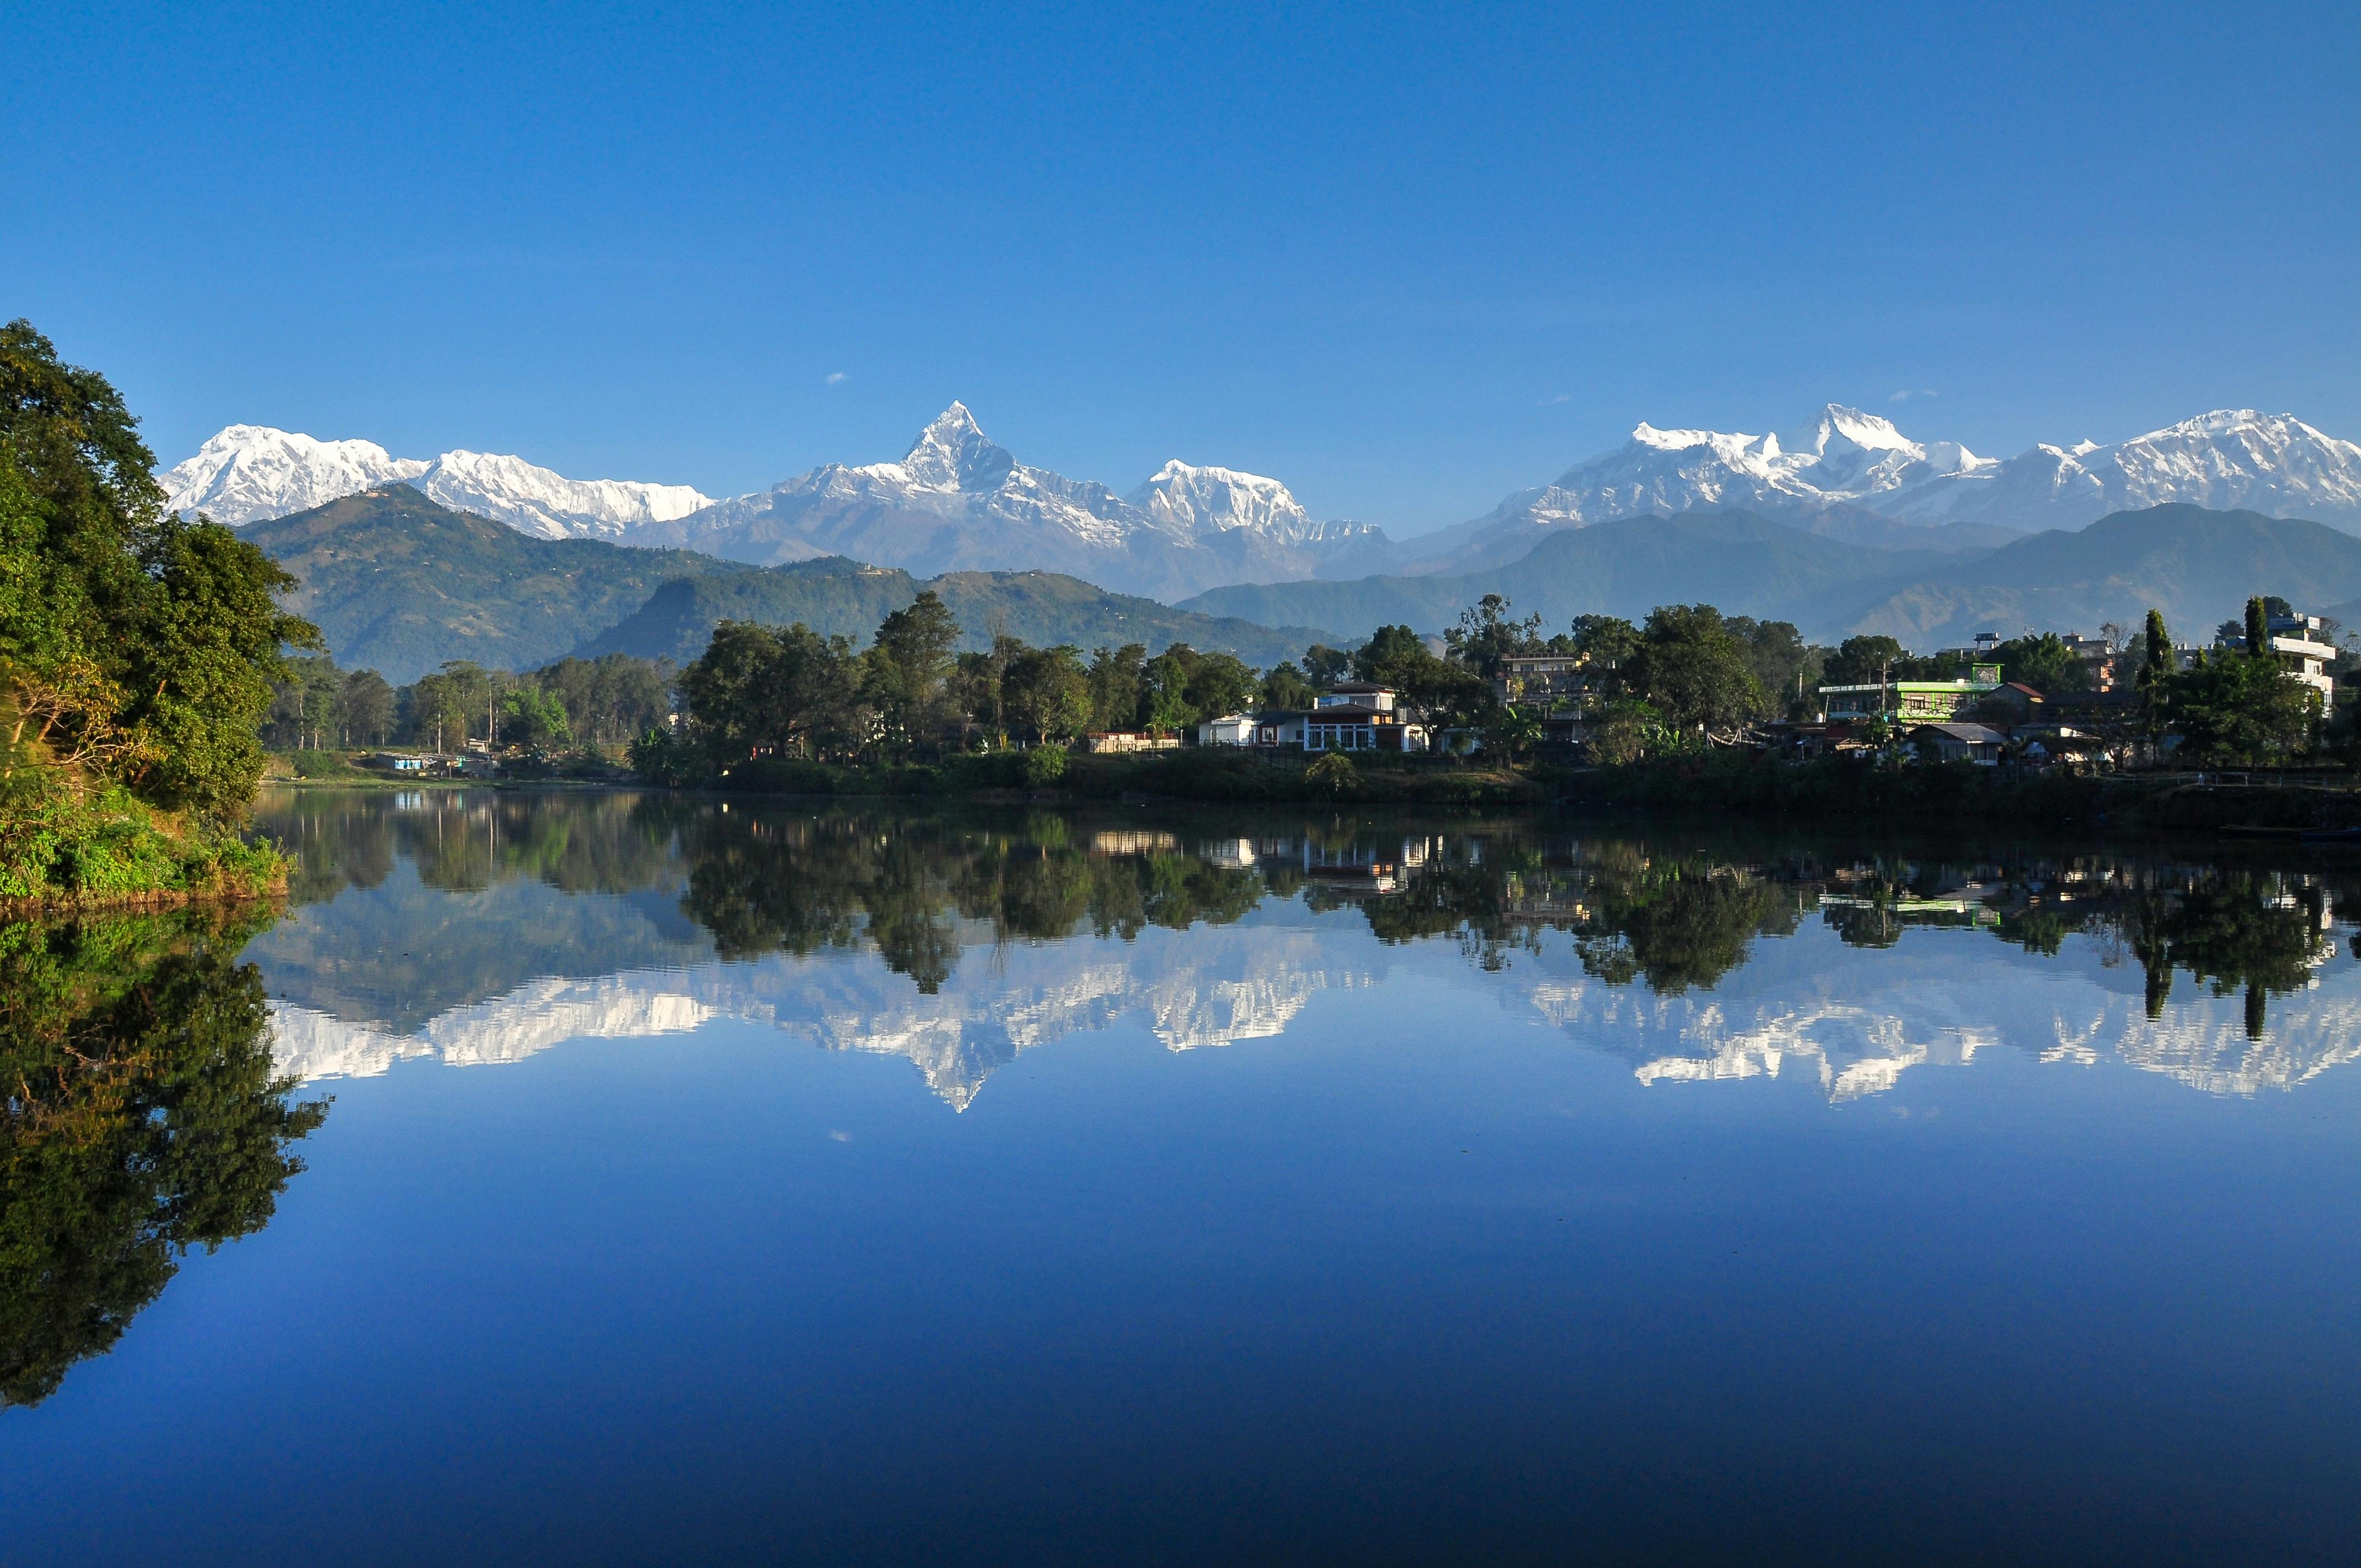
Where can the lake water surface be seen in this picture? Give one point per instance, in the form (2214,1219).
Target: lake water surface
(849,1182)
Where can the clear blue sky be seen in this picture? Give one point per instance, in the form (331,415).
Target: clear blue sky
(1406,261)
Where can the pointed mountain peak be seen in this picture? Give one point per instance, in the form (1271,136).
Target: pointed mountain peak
(1836,424)
(953,454)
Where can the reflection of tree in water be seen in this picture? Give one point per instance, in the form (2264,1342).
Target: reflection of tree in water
(2231,931)
(143,1118)
(465,841)
(905,883)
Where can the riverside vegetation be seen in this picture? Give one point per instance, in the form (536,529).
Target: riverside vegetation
(137,655)
(1671,706)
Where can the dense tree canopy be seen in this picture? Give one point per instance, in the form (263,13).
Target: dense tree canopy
(135,647)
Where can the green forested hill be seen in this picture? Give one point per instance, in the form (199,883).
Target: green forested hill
(401,585)
(1745,563)
(835,596)
(2197,566)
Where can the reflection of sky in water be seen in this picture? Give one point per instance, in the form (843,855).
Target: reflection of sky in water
(1362,1209)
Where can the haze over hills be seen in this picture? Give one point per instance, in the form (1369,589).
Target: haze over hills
(835,596)
(1745,563)
(2197,566)
(400,584)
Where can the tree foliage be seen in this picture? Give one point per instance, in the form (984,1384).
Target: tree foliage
(135,647)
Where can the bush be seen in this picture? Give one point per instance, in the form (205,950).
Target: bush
(1044,766)
(1334,774)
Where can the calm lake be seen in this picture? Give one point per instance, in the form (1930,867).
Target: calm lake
(850,1182)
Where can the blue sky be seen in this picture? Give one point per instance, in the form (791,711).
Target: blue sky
(1406,259)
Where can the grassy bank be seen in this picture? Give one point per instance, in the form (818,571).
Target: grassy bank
(106,849)
(1191,774)
(1936,795)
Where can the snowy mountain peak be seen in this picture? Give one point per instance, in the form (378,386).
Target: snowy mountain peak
(953,454)
(1188,500)
(1837,424)
(549,506)
(247,473)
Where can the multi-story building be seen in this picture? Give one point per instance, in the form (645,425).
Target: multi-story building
(1916,702)
(2301,643)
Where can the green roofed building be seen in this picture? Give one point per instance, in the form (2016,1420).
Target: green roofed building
(1911,702)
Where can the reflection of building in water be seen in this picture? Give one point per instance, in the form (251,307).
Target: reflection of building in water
(1208,986)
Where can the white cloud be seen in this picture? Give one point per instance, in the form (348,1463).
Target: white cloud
(1905,397)
(835,378)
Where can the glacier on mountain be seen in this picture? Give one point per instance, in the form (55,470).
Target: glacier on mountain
(248,473)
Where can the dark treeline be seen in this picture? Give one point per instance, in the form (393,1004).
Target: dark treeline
(576,703)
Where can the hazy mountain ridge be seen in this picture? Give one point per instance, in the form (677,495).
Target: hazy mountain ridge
(2197,566)
(400,584)
(1738,560)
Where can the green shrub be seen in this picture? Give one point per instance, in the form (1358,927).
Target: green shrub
(1044,766)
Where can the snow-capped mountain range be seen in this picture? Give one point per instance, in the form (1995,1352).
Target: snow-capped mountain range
(1845,471)
(957,501)
(249,472)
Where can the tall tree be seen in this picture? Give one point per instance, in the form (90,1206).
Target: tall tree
(2156,665)
(135,643)
(1694,669)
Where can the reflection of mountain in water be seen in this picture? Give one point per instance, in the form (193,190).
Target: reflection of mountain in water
(476,928)
(1200,988)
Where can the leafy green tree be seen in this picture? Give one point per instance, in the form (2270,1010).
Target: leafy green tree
(368,708)
(2241,710)
(1605,644)
(1284,686)
(1334,773)
(1220,683)
(1048,692)
(533,716)
(909,665)
(1694,671)
(2258,630)
(1164,691)
(612,697)
(1325,667)
(1044,766)
(1783,664)
(1485,635)
(2157,666)
(132,643)
(1115,686)
(1862,661)
(2043,662)
(1393,656)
